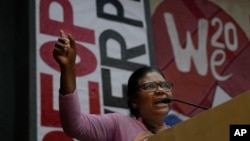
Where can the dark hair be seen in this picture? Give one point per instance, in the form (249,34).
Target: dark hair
(133,83)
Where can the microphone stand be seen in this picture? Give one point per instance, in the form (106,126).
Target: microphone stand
(202,107)
(168,100)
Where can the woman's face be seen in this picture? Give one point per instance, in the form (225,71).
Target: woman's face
(148,99)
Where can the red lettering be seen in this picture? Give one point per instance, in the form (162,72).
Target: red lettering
(56,136)
(52,27)
(49,116)
(94,98)
(86,65)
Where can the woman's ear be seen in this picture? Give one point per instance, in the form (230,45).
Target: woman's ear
(134,103)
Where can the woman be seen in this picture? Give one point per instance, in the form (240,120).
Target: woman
(146,88)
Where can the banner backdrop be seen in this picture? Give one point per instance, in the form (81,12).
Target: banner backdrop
(201,46)
(112,41)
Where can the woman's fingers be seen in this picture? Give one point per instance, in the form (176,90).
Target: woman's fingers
(61,33)
(64,43)
(63,40)
(72,41)
(59,46)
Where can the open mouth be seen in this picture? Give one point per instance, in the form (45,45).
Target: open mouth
(159,101)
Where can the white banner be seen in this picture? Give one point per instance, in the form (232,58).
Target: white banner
(112,41)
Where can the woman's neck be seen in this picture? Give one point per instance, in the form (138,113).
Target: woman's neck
(154,125)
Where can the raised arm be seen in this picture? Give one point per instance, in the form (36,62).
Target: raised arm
(76,124)
(65,55)
(70,113)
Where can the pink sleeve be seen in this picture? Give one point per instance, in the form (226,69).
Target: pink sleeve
(81,125)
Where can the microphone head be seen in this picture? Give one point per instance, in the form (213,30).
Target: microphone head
(166,100)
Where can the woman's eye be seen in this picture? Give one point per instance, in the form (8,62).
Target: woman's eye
(165,85)
(146,86)
(151,85)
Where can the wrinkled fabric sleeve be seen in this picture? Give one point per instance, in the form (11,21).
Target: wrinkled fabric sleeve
(83,126)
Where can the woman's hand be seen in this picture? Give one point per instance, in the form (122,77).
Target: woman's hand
(65,50)
(65,55)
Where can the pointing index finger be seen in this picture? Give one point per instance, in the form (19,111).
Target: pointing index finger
(62,34)
(63,37)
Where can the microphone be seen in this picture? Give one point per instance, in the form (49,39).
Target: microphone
(168,100)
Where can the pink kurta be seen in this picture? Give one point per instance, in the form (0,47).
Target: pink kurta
(90,127)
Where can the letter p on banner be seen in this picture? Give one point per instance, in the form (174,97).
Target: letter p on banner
(239,132)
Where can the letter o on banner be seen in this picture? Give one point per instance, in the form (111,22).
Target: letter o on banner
(56,136)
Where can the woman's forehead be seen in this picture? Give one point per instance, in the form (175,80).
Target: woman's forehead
(152,76)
